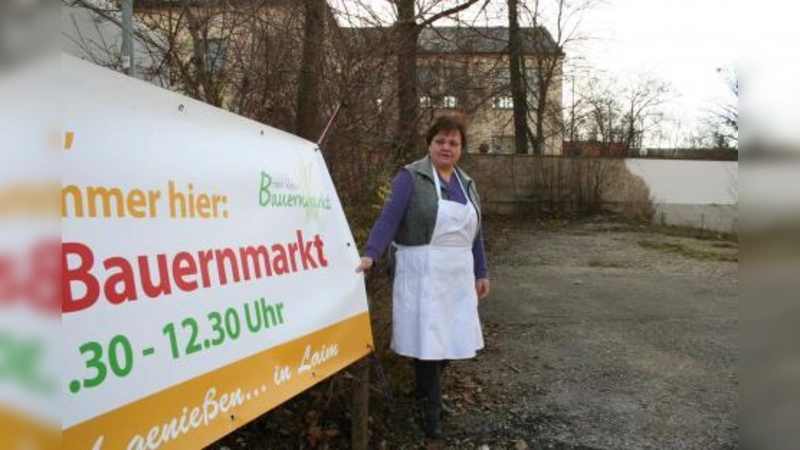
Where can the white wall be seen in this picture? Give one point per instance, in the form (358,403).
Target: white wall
(689,182)
(700,194)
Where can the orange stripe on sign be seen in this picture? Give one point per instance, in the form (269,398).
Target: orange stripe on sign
(20,431)
(69,137)
(199,411)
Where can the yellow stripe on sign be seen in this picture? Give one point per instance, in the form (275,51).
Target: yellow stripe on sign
(199,411)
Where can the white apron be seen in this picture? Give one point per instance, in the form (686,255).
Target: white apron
(435,306)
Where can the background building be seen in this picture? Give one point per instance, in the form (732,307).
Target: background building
(467,70)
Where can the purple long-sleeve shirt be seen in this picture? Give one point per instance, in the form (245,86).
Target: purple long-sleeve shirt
(385,228)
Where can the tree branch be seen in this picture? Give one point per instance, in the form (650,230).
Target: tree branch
(447,12)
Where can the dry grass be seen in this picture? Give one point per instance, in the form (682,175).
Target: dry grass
(689,252)
(605,264)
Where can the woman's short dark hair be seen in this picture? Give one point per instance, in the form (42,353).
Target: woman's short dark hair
(447,123)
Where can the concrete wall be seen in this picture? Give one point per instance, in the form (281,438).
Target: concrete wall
(540,184)
(724,218)
(701,194)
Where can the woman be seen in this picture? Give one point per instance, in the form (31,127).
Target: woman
(433,217)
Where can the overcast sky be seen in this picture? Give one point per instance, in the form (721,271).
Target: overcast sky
(684,42)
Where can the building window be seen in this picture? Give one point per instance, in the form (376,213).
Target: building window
(503,102)
(532,80)
(501,84)
(425,101)
(426,80)
(216,51)
(455,84)
(449,101)
(502,144)
(501,81)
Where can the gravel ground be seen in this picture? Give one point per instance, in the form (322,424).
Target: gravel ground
(599,335)
(603,335)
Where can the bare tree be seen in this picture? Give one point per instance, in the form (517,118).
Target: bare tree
(699,137)
(93,30)
(604,110)
(573,120)
(547,68)
(517,78)
(619,117)
(308,101)
(411,20)
(727,113)
(641,100)
(204,82)
(242,56)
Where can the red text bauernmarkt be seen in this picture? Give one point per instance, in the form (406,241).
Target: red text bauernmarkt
(126,280)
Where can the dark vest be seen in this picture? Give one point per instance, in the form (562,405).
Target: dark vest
(420,218)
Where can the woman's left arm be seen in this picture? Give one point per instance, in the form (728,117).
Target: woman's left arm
(481,269)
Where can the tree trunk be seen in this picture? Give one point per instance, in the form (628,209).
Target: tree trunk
(541,115)
(308,101)
(518,90)
(572,113)
(199,50)
(406,33)
(360,425)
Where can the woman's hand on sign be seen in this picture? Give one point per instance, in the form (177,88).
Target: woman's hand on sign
(482,288)
(365,265)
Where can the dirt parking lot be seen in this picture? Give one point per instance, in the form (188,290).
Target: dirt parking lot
(599,335)
(603,335)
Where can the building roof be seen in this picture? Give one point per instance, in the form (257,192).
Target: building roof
(483,40)
(463,39)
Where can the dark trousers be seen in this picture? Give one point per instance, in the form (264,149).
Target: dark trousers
(429,383)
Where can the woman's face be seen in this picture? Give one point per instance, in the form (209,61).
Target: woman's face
(445,149)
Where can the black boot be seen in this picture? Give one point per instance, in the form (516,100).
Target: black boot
(428,374)
(431,420)
(447,411)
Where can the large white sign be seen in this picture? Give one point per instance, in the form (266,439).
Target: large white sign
(30,323)
(208,268)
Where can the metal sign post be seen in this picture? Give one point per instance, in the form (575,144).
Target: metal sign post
(127,37)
